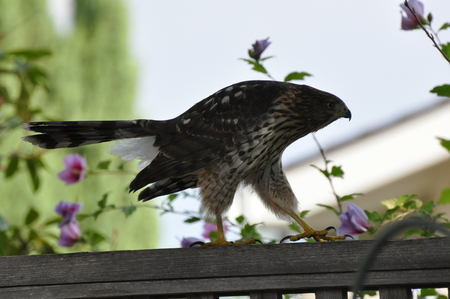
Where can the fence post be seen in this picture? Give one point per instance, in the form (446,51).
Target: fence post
(266,295)
(203,296)
(331,293)
(395,293)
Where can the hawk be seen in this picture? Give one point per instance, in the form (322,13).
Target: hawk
(235,136)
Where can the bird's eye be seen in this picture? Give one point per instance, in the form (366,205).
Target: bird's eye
(330,105)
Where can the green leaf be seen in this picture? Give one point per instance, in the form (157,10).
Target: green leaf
(213,235)
(304,213)
(251,54)
(389,203)
(412,204)
(13,122)
(12,167)
(3,224)
(329,208)
(445,143)
(192,220)
(4,95)
(32,166)
(368,293)
(445,197)
(102,202)
(53,221)
(265,58)
(37,75)
(442,90)
(427,292)
(429,207)
(323,171)
(373,216)
(128,210)
(446,49)
(295,227)
(94,238)
(404,198)
(249,232)
(430,18)
(350,196)
(31,216)
(29,54)
(444,26)
(259,68)
(33,235)
(240,219)
(172,197)
(336,171)
(103,165)
(4,244)
(439,216)
(296,76)
(413,232)
(256,66)
(391,213)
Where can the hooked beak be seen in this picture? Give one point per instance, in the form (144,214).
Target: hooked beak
(347,114)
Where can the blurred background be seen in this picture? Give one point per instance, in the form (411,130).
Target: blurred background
(155,59)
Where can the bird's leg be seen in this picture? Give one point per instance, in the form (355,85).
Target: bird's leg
(220,234)
(309,232)
(221,240)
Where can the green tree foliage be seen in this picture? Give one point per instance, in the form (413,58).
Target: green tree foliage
(90,76)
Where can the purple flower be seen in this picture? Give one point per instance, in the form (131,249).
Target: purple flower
(68,211)
(354,222)
(70,233)
(258,48)
(409,22)
(208,228)
(186,242)
(75,169)
(70,228)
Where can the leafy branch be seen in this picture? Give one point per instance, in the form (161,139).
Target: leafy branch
(430,35)
(334,172)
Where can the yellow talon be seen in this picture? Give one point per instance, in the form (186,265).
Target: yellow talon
(309,232)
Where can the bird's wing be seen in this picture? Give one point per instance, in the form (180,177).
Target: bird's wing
(209,131)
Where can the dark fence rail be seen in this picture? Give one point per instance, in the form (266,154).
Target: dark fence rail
(260,271)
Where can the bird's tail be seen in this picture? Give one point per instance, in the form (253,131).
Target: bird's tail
(64,134)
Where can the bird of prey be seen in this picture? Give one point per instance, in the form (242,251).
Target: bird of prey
(235,136)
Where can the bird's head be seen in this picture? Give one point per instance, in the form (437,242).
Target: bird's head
(336,107)
(314,109)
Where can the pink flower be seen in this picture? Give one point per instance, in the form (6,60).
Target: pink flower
(208,228)
(75,169)
(70,233)
(258,48)
(70,228)
(354,222)
(409,22)
(68,211)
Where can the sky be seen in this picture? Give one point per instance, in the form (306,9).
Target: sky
(187,50)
